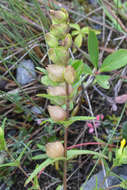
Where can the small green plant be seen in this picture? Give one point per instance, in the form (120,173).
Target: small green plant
(80,34)
(63,78)
(120,154)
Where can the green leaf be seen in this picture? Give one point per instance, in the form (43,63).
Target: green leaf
(60,187)
(3,145)
(58,55)
(11,164)
(51,97)
(23,152)
(78,41)
(46,163)
(42,70)
(76,118)
(3,123)
(39,157)
(123,184)
(86,29)
(75,26)
(38,169)
(75,32)
(93,48)
(79,67)
(41,147)
(46,120)
(102,80)
(46,81)
(87,69)
(115,61)
(73,153)
(59,100)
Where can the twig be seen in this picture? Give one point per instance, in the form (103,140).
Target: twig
(119,83)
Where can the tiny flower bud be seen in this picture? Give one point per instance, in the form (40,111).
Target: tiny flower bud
(51,40)
(56,72)
(59,55)
(55,149)
(67,42)
(59,30)
(69,74)
(57,113)
(60,16)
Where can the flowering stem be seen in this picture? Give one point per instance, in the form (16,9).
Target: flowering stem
(65,138)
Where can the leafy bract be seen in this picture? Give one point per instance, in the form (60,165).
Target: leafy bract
(79,67)
(42,70)
(78,40)
(59,100)
(46,81)
(75,26)
(85,30)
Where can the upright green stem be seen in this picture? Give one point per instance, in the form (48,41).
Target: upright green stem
(65,138)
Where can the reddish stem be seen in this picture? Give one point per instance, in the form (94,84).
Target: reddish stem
(89,143)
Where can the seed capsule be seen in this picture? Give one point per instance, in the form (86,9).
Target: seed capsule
(69,74)
(59,91)
(51,40)
(57,113)
(56,72)
(59,55)
(67,42)
(59,30)
(60,16)
(55,149)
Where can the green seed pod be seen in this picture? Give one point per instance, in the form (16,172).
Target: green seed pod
(69,74)
(59,55)
(59,30)
(51,40)
(60,16)
(67,42)
(57,113)
(56,72)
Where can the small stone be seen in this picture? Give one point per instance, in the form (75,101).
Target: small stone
(112,180)
(25,72)
(37,110)
(93,2)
